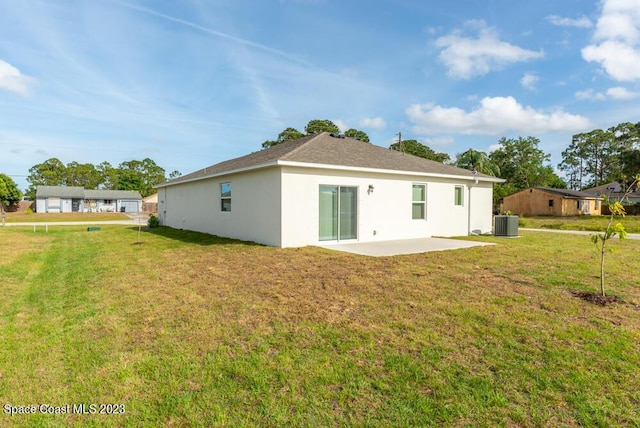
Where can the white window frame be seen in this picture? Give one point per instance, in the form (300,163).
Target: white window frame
(225,198)
(455,195)
(424,202)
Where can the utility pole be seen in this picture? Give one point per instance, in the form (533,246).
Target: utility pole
(400,146)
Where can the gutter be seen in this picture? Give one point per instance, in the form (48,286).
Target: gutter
(474,178)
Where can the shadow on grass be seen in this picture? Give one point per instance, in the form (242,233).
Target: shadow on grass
(191,237)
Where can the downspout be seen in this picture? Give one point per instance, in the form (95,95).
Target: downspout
(470,186)
(469,210)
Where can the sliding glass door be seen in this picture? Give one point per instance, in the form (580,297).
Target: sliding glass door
(338,213)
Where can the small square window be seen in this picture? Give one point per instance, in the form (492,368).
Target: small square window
(551,202)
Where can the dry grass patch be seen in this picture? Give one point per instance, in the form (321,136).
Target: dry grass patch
(20,246)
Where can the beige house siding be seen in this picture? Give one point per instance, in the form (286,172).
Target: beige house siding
(531,202)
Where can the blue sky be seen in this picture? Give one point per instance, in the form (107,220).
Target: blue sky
(193,82)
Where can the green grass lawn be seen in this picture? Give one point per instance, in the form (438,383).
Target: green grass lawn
(590,223)
(189,329)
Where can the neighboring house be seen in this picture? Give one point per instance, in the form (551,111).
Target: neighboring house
(326,188)
(552,202)
(66,199)
(150,204)
(614,192)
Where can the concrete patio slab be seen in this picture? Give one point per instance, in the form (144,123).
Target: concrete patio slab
(403,246)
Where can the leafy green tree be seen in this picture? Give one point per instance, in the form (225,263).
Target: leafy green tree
(9,192)
(523,164)
(314,127)
(284,136)
(573,163)
(600,156)
(108,176)
(130,179)
(51,172)
(318,126)
(358,135)
(140,176)
(478,161)
(413,147)
(83,174)
(629,162)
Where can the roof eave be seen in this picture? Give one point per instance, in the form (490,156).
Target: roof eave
(333,167)
(389,171)
(213,175)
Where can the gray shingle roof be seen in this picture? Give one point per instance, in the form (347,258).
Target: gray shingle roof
(59,192)
(568,193)
(111,194)
(80,193)
(325,149)
(605,189)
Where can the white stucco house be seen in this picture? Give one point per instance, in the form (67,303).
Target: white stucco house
(67,199)
(326,189)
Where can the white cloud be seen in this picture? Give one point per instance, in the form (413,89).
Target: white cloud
(620,93)
(373,122)
(619,20)
(582,22)
(616,41)
(615,93)
(529,81)
(439,141)
(11,79)
(340,124)
(466,57)
(494,147)
(589,94)
(493,116)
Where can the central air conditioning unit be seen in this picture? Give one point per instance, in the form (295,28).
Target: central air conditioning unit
(505,225)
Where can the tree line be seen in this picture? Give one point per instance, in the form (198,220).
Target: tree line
(138,175)
(518,160)
(601,156)
(591,159)
(9,192)
(314,127)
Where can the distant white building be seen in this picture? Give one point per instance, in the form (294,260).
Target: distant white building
(66,199)
(324,188)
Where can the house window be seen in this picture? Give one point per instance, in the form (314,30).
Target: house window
(579,204)
(457,195)
(419,202)
(108,201)
(551,203)
(225,197)
(597,203)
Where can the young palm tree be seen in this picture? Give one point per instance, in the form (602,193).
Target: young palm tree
(478,161)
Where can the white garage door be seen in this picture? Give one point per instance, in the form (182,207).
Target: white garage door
(130,206)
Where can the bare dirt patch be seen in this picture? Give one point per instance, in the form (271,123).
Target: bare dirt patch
(596,298)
